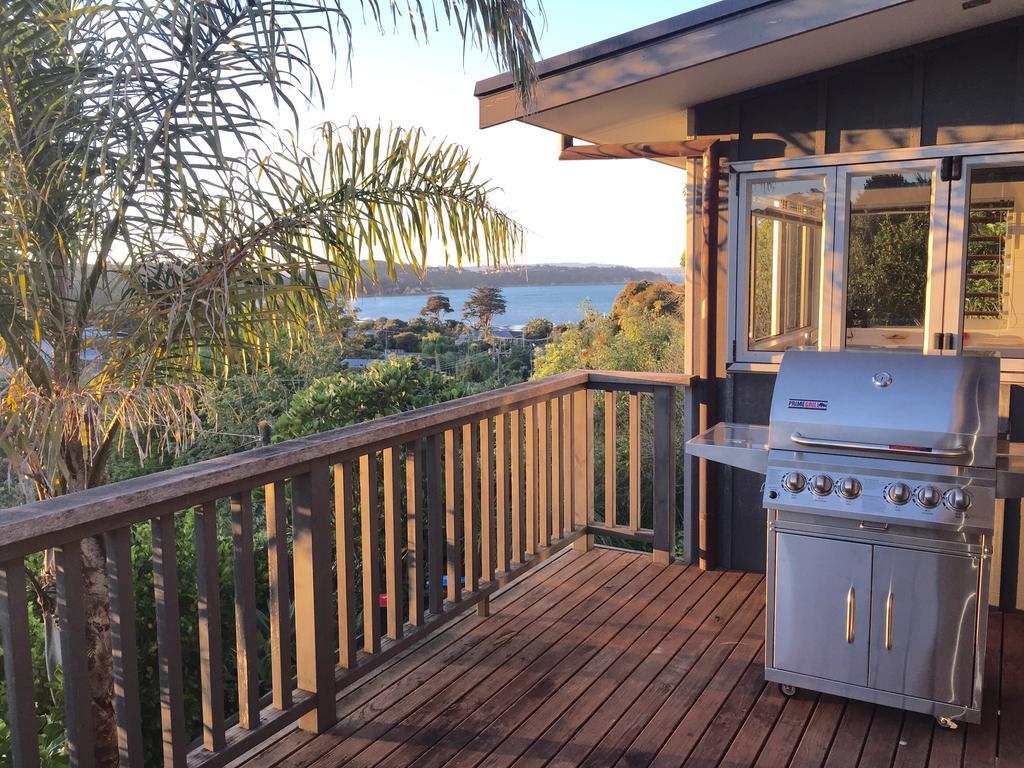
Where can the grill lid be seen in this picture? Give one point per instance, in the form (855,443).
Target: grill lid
(902,405)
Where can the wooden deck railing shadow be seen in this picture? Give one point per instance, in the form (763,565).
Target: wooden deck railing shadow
(426,512)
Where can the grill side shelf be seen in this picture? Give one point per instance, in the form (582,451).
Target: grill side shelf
(737,445)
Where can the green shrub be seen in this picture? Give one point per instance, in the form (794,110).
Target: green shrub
(386,387)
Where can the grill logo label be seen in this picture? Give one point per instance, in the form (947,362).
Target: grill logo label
(808,405)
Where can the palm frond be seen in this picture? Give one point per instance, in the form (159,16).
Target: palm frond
(154,224)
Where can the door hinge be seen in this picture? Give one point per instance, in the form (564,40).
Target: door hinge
(733,351)
(945,341)
(952,169)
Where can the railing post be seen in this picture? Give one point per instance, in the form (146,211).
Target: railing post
(245,610)
(123,640)
(582,458)
(279,600)
(211,674)
(452,517)
(543,472)
(369,514)
(168,634)
(517,497)
(78,717)
(393,566)
(311,545)
(345,552)
(611,478)
(21,707)
(664,475)
(470,507)
(415,546)
(435,526)
(568,519)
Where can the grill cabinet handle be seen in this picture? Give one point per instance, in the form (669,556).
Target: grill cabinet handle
(817,442)
(888,622)
(851,614)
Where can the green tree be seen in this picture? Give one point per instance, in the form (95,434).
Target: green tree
(386,387)
(483,304)
(406,341)
(436,344)
(636,336)
(887,269)
(659,298)
(437,306)
(156,223)
(538,328)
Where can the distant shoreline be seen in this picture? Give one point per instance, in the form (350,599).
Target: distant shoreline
(438,279)
(557,303)
(432,290)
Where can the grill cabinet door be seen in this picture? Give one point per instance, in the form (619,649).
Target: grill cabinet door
(822,604)
(924,612)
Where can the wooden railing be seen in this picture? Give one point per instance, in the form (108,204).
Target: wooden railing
(469,495)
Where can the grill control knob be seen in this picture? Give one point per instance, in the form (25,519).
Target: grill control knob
(821,485)
(928,496)
(849,487)
(898,493)
(794,482)
(958,499)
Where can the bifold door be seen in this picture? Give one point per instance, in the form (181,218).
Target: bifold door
(924,255)
(984,298)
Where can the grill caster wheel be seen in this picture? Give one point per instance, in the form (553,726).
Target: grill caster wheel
(789,691)
(947,722)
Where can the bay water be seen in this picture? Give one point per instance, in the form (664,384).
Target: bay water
(557,303)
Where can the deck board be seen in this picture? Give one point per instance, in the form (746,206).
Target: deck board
(602,658)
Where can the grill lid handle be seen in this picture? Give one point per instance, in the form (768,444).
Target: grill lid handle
(815,442)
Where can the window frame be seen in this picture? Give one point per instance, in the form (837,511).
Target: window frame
(956,250)
(740,257)
(950,298)
(935,268)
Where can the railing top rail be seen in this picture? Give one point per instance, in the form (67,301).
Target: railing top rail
(38,525)
(612,379)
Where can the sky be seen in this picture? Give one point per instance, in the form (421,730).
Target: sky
(612,212)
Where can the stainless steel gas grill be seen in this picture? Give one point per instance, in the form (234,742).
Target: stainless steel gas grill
(881,477)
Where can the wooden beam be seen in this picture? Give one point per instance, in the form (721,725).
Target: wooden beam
(635,150)
(708,518)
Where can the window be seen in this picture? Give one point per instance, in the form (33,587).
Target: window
(890,253)
(786,220)
(993,294)
(889,220)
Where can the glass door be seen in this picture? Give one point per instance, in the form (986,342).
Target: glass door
(784,232)
(984,304)
(890,251)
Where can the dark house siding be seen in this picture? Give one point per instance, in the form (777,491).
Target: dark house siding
(745,398)
(967,87)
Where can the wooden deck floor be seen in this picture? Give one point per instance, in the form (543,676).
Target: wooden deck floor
(605,659)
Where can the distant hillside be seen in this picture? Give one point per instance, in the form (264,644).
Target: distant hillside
(441,278)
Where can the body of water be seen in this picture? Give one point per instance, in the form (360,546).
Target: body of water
(557,303)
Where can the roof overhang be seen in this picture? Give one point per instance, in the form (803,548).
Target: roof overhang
(638,86)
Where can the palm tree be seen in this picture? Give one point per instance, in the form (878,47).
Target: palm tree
(157,227)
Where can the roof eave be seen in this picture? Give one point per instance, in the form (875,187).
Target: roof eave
(613,46)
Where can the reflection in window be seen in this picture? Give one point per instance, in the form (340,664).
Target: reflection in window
(887,259)
(785,240)
(993,299)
